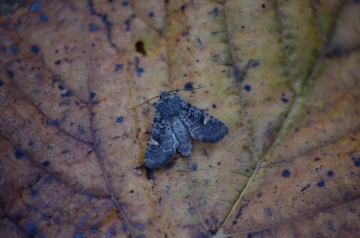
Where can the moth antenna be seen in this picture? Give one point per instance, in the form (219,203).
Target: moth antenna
(176,90)
(144,102)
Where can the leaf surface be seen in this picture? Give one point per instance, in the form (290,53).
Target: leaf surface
(283,76)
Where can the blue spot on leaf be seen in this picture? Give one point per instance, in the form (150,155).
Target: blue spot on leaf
(151,14)
(189,86)
(19,153)
(35,6)
(14,49)
(61,86)
(139,70)
(214,106)
(119,120)
(56,123)
(93,27)
(31,229)
(127,23)
(67,94)
(285,100)
(35,49)
(330,173)
(124,3)
(321,184)
(357,162)
(44,18)
(286,173)
(10,73)
(58,62)
(92,95)
(118,67)
(247,88)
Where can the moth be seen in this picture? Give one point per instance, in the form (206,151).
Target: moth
(175,123)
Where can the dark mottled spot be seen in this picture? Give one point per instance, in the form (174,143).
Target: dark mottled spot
(151,14)
(149,174)
(263,5)
(214,106)
(139,46)
(10,73)
(92,95)
(118,67)
(216,11)
(66,95)
(58,62)
(78,235)
(46,163)
(198,40)
(119,120)
(31,229)
(357,162)
(110,232)
(254,64)
(249,236)
(127,24)
(35,49)
(132,191)
(189,86)
(56,123)
(285,100)
(46,216)
(93,229)
(306,187)
(14,49)
(286,173)
(123,228)
(234,222)
(316,159)
(44,18)
(95,102)
(139,70)
(182,7)
(185,33)
(34,192)
(194,166)
(125,3)
(138,226)
(247,88)
(330,173)
(35,6)
(48,178)
(321,184)
(81,129)
(28,206)
(1,83)
(61,86)
(19,153)
(48,122)
(93,27)
(108,24)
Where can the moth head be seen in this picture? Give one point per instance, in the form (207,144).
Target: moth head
(163,94)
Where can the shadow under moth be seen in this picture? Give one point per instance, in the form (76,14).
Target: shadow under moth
(175,123)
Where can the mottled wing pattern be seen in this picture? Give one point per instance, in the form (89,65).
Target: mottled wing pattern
(162,144)
(201,125)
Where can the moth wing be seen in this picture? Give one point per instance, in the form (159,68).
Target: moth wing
(202,126)
(161,146)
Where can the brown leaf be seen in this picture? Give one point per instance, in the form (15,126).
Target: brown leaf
(282,75)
